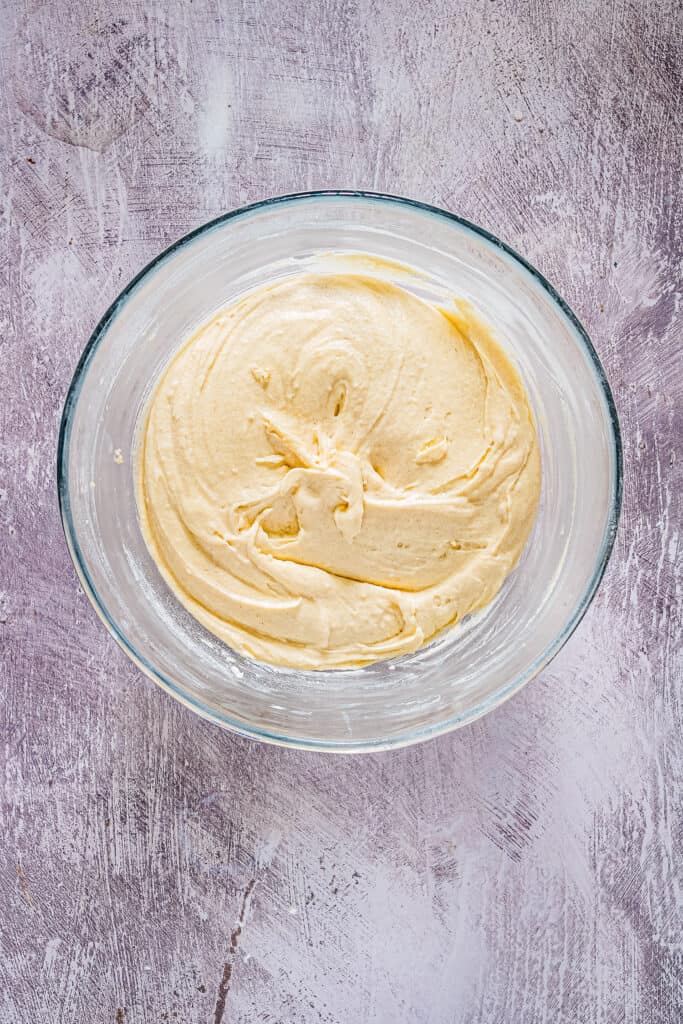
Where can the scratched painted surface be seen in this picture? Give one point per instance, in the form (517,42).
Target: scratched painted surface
(527,869)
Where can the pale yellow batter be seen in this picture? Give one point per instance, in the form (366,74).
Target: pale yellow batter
(333,470)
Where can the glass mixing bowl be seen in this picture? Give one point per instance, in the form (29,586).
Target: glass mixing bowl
(467,670)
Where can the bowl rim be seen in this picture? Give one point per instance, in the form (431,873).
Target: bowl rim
(409,736)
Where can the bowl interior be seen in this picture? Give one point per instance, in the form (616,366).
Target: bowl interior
(468,669)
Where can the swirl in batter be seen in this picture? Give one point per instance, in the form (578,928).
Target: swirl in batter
(333,470)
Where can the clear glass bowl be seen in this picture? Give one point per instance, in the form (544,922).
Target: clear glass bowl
(466,671)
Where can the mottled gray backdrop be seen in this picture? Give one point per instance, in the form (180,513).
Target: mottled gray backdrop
(527,869)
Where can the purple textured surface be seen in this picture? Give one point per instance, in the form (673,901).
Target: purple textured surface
(527,869)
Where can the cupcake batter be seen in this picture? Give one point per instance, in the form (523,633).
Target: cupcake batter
(334,470)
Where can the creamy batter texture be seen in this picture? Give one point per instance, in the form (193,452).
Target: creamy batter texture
(333,470)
